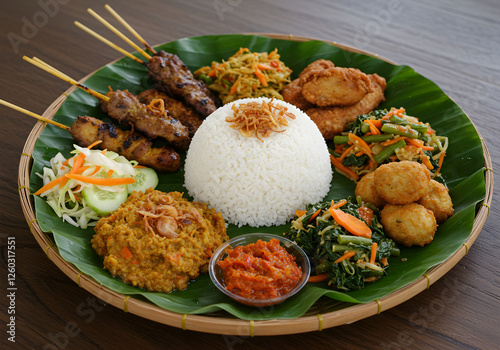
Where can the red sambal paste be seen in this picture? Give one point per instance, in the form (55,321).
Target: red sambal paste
(261,270)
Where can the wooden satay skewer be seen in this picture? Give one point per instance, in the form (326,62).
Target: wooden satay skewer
(120,34)
(107,42)
(48,68)
(130,29)
(34,115)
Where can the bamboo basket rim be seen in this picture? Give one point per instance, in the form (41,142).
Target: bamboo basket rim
(220,323)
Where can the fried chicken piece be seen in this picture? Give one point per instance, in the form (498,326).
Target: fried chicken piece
(316,65)
(333,120)
(292,93)
(178,110)
(335,86)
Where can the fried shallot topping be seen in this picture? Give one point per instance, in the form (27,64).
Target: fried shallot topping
(165,219)
(259,119)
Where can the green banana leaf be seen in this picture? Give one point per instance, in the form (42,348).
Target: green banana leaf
(462,171)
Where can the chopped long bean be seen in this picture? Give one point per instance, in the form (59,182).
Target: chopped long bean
(346,239)
(388,151)
(400,130)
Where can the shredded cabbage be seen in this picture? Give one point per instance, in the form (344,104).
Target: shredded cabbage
(247,74)
(67,201)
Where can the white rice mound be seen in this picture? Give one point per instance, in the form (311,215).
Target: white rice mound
(258,183)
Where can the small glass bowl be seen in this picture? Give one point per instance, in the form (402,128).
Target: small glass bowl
(301,260)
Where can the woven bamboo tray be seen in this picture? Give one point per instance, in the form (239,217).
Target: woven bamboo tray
(324,314)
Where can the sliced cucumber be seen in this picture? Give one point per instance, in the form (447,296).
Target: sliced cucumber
(145,178)
(103,202)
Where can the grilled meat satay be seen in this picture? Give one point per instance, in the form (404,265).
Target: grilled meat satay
(173,77)
(133,146)
(126,108)
(178,110)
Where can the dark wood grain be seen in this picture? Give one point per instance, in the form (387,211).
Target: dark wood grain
(454,43)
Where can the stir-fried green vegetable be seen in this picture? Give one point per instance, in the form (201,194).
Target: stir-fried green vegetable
(337,248)
(384,136)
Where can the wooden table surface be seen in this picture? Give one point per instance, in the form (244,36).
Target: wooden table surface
(454,43)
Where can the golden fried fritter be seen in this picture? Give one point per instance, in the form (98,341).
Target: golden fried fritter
(409,224)
(333,120)
(292,93)
(402,182)
(335,86)
(316,65)
(438,200)
(365,188)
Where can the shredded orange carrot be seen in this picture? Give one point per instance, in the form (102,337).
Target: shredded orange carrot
(263,66)
(390,142)
(373,253)
(393,158)
(261,76)
(392,112)
(102,181)
(425,160)
(384,261)
(338,204)
(374,126)
(234,87)
(127,254)
(346,255)
(317,278)
(50,185)
(440,162)
(338,164)
(109,173)
(351,223)
(420,144)
(358,141)
(213,73)
(313,216)
(346,152)
(97,168)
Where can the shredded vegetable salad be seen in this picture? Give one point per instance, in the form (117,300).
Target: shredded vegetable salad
(247,74)
(386,136)
(345,243)
(90,175)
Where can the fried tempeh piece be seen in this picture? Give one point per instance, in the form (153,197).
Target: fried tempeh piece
(178,110)
(133,146)
(126,108)
(174,78)
(337,86)
(333,120)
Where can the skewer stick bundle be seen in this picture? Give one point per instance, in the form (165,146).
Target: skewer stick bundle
(129,27)
(120,34)
(48,68)
(107,42)
(34,115)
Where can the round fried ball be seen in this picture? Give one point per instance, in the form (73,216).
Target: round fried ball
(402,182)
(365,188)
(438,200)
(408,224)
